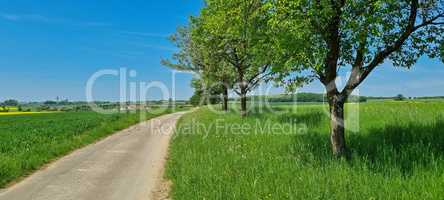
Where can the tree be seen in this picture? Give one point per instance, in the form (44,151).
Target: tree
(11,102)
(204,95)
(399,97)
(216,73)
(196,58)
(235,30)
(50,103)
(322,37)
(222,76)
(198,97)
(190,56)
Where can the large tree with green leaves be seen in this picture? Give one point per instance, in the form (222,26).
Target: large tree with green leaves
(194,56)
(324,37)
(204,95)
(220,76)
(235,32)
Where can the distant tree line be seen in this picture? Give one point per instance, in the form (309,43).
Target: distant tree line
(430,97)
(300,97)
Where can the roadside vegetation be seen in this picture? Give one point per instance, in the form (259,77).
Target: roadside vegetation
(237,45)
(29,141)
(397,154)
(391,150)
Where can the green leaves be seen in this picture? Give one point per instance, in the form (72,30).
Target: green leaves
(368,33)
(236,36)
(188,58)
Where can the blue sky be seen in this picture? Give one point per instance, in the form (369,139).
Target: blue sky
(51,48)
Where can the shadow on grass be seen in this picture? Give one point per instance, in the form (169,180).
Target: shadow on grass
(258,110)
(399,147)
(287,115)
(311,119)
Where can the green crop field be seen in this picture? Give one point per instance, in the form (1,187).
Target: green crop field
(29,141)
(397,153)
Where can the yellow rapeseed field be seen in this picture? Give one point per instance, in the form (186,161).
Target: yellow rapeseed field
(21,113)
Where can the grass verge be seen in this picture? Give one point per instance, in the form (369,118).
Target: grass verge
(398,153)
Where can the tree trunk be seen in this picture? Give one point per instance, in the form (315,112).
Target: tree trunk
(225,99)
(337,126)
(243,99)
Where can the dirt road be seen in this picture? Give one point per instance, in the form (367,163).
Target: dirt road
(126,165)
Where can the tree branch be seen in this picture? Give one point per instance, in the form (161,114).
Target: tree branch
(264,69)
(237,92)
(430,22)
(359,75)
(253,83)
(333,41)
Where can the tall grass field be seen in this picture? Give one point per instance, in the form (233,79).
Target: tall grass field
(397,153)
(29,141)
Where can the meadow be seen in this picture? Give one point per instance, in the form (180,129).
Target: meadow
(397,153)
(27,142)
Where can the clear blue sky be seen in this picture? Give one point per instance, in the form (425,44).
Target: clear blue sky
(51,48)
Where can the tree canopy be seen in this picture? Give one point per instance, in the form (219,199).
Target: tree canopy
(328,36)
(235,31)
(11,102)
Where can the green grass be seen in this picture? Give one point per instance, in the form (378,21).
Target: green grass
(398,153)
(29,141)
